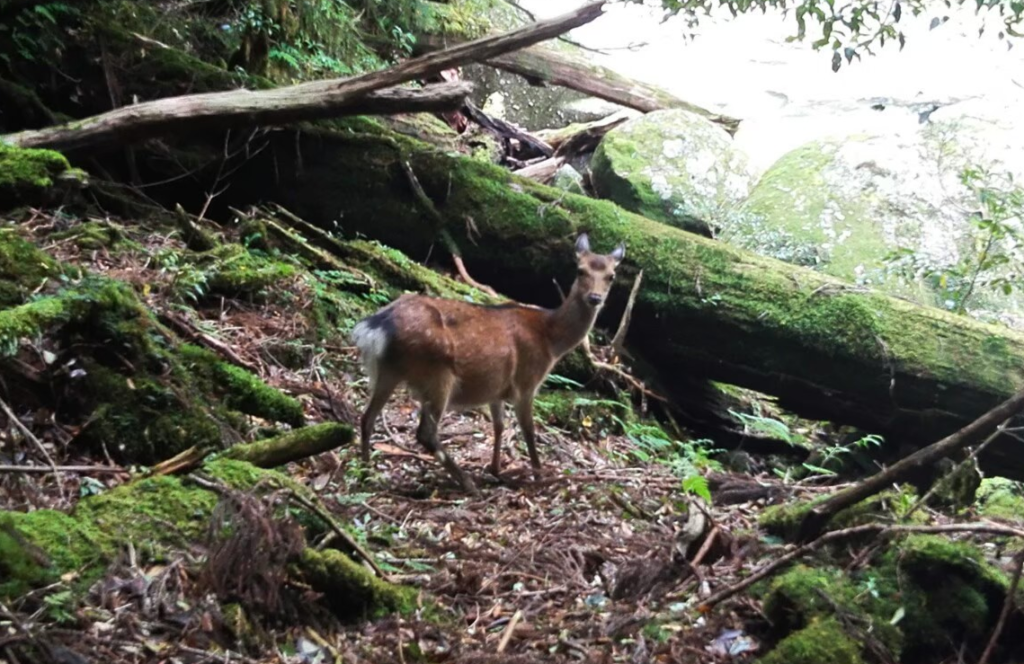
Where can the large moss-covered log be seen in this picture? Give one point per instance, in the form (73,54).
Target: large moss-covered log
(827,349)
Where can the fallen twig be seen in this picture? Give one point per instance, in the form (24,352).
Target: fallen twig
(31,437)
(461,267)
(620,335)
(340,532)
(507,635)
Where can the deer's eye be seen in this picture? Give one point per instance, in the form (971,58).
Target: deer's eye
(609,277)
(580,272)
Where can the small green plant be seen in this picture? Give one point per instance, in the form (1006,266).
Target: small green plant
(555,380)
(833,452)
(188,280)
(60,606)
(685,459)
(996,253)
(768,426)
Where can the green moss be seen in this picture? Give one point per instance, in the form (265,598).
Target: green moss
(323,436)
(962,608)
(36,546)
(351,590)
(1000,498)
(142,418)
(26,175)
(236,271)
(556,406)
(425,127)
(785,520)
(239,389)
(824,640)
(29,320)
(158,515)
(804,594)
(92,235)
(160,510)
(23,268)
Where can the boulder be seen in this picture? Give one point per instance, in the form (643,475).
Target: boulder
(850,206)
(673,166)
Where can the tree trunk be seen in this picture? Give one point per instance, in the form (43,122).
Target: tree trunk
(548,66)
(828,350)
(316,99)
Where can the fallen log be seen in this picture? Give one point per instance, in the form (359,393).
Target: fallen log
(826,349)
(315,99)
(548,66)
(293,446)
(192,113)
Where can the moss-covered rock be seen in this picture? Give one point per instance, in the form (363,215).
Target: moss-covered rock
(350,589)
(672,166)
(568,179)
(823,640)
(161,516)
(23,268)
(950,593)
(843,205)
(804,595)
(26,176)
(1000,498)
(919,596)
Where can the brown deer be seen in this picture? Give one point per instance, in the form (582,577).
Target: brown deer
(456,355)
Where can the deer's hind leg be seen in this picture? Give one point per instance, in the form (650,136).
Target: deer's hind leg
(434,403)
(383,387)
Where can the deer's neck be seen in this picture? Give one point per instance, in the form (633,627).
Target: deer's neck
(569,324)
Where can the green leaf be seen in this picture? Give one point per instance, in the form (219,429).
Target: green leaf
(697,485)
(837,61)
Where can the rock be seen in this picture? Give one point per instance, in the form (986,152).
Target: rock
(672,166)
(843,205)
(568,179)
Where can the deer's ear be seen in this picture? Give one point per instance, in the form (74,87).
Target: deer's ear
(619,253)
(582,244)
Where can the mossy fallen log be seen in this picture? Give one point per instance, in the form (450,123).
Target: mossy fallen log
(827,349)
(292,446)
(161,516)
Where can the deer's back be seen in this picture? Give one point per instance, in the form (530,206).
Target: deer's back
(491,352)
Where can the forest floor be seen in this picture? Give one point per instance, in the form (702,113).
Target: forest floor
(578,566)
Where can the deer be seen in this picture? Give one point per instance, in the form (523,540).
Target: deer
(457,355)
